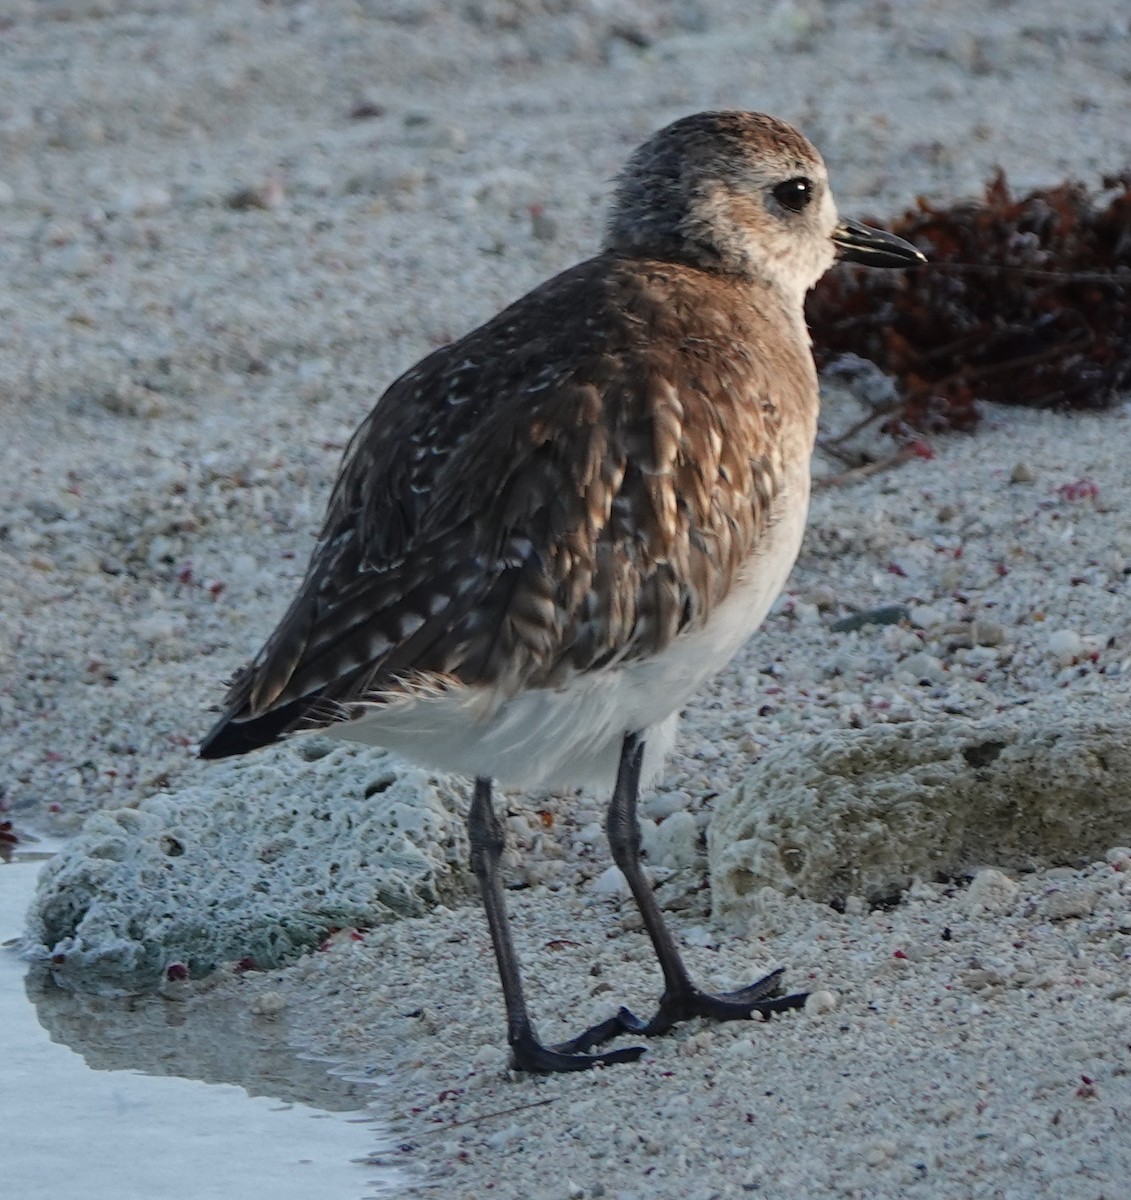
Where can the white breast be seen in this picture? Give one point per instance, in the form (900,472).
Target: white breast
(571,736)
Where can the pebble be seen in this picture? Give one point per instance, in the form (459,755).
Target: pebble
(987,633)
(160,626)
(1119,857)
(1067,903)
(268,1004)
(611,882)
(674,843)
(542,227)
(922,666)
(878,1152)
(266,195)
(888,614)
(991,891)
(820,1003)
(143,199)
(660,805)
(77,260)
(1022,473)
(1066,646)
(129,399)
(925,616)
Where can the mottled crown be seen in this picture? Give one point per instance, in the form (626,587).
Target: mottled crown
(701,191)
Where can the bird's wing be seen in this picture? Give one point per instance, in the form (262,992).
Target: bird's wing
(531,501)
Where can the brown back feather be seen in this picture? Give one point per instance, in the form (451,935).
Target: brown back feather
(568,486)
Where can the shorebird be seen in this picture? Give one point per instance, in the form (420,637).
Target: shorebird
(547,535)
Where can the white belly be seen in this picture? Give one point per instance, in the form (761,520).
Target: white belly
(571,736)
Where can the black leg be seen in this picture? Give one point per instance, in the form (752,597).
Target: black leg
(681,998)
(485,833)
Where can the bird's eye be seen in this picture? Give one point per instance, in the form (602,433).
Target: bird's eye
(794,194)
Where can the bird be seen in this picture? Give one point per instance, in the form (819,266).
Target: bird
(548,534)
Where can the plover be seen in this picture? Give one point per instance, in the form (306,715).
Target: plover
(547,535)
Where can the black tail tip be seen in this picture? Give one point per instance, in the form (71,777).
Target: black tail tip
(231,736)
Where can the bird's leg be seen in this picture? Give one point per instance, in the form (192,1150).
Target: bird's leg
(681,998)
(485,833)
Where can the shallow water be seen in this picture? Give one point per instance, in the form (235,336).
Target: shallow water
(130,1099)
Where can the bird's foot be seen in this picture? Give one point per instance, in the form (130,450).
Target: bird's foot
(528,1054)
(761,997)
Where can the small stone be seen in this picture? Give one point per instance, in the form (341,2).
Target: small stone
(270,1004)
(487,1056)
(142,199)
(923,666)
(889,614)
(978,979)
(1067,903)
(1065,646)
(77,260)
(820,1002)
(1022,473)
(1119,857)
(697,1043)
(987,633)
(924,616)
(990,891)
(268,194)
(824,598)
(674,843)
(542,227)
(879,1152)
(129,399)
(366,109)
(660,805)
(611,882)
(159,627)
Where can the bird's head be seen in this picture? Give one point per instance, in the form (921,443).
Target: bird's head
(743,194)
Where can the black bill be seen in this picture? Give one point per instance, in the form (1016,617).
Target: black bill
(873,247)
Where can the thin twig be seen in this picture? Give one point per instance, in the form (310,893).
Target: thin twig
(858,474)
(502,1112)
(883,410)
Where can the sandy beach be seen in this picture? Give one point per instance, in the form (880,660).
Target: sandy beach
(224,229)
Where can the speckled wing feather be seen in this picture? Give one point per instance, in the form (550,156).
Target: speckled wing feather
(567,487)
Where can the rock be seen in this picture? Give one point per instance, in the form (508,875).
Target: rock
(1062,904)
(987,633)
(129,399)
(990,891)
(1022,473)
(542,227)
(867,812)
(889,614)
(674,843)
(259,861)
(142,199)
(925,616)
(611,882)
(820,1003)
(1066,646)
(267,194)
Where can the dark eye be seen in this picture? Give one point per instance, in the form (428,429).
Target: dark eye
(794,194)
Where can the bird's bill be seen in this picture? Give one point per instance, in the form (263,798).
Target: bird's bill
(873,247)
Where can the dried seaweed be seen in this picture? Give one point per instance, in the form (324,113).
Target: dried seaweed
(1023,302)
